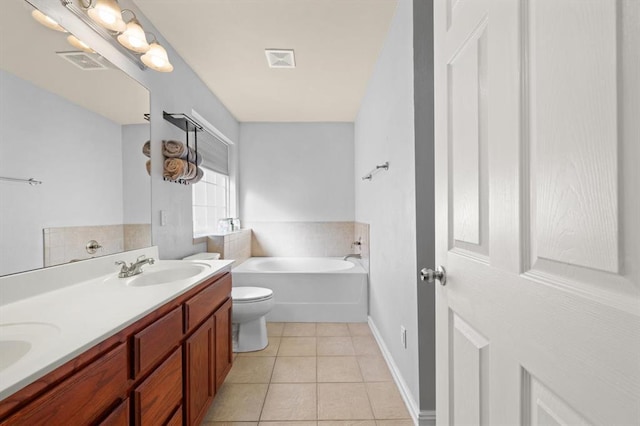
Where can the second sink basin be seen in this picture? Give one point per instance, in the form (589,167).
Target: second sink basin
(164,272)
(19,339)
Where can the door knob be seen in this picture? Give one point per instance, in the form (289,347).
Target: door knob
(430,275)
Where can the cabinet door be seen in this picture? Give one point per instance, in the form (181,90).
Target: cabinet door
(224,351)
(200,371)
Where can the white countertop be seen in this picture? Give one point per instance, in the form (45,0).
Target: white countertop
(63,323)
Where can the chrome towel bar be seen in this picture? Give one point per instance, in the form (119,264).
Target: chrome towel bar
(369,176)
(30,181)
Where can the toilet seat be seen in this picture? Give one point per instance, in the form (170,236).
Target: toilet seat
(250,294)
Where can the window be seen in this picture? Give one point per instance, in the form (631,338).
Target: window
(210,202)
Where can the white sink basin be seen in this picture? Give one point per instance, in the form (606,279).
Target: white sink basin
(19,339)
(163,272)
(154,276)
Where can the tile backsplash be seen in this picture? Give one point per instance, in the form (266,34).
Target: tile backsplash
(300,239)
(136,235)
(234,245)
(66,244)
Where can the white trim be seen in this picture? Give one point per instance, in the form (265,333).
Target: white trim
(211,128)
(420,418)
(427,418)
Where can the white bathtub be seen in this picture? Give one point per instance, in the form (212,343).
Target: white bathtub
(308,289)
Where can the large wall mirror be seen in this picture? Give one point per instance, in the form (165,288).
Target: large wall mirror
(74,122)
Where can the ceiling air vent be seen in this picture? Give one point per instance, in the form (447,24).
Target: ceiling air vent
(280,58)
(84,61)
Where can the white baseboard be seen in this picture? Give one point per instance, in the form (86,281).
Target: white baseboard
(420,418)
(427,418)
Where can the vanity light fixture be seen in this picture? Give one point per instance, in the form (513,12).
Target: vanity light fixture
(156,58)
(47,21)
(106,18)
(107,14)
(79,44)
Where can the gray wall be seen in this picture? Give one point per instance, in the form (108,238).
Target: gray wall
(178,91)
(136,183)
(296,172)
(76,153)
(384,131)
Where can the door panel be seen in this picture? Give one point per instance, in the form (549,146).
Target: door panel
(470,373)
(573,132)
(536,211)
(541,407)
(467,94)
(463,71)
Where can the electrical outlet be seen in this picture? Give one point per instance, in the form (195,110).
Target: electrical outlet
(163,217)
(403,336)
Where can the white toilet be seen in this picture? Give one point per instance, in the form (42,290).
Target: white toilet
(250,305)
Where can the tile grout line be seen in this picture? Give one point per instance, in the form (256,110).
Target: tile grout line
(364,383)
(264,402)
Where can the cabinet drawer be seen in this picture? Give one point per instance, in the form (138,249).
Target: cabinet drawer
(208,300)
(119,416)
(83,397)
(159,395)
(176,419)
(155,341)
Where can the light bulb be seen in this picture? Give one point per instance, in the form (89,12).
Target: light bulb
(156,58)
(134,38)
(107,13)
(47,21)
(107,16)
(79,44)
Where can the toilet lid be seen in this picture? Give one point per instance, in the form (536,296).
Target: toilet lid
(250,294)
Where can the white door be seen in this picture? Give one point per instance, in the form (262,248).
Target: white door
(537,211)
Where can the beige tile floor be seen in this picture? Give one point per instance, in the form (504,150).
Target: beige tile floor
(311,374)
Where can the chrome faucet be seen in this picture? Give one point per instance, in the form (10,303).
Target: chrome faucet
(134,268)
(354,255)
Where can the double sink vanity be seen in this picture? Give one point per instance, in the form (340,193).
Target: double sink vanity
(81,345)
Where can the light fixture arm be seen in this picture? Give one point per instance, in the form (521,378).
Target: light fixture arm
(85,6)
(132,12)
(155,39)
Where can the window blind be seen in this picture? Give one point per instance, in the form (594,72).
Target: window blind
(214,152)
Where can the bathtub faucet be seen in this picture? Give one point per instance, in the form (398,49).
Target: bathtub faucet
(354,255)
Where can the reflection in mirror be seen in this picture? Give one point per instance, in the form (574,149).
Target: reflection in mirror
(76,123)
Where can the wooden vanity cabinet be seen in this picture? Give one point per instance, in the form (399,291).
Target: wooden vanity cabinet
(163,369)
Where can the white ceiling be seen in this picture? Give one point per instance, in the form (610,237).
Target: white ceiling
(28,50)
(336,45)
